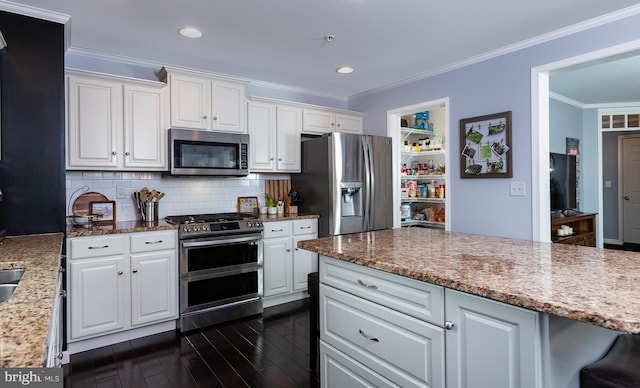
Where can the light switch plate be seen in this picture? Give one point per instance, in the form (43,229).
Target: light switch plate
(517,189)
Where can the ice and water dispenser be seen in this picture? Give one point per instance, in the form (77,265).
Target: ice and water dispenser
(351,199)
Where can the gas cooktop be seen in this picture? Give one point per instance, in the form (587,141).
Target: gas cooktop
(216,224)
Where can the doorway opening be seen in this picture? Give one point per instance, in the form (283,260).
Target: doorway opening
(540,143)
(394,125)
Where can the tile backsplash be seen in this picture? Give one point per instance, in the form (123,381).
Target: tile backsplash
(183,195)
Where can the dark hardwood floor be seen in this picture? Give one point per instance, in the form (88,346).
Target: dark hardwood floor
(271,350)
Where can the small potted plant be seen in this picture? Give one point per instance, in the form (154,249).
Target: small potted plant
(295,197)
(271,205)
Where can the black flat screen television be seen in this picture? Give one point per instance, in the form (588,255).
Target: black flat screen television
(562,173)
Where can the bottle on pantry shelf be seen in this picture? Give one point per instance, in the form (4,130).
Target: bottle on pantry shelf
(436,193)
(405,212)
(403,170)
(423,191)
(407,146)
(432,189)
(441,193)
(412,185)
(416,147)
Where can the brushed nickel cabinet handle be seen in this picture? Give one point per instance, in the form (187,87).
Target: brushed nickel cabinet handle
(362,333)
(153,242)
(449,325)
(102,247)
(363,284)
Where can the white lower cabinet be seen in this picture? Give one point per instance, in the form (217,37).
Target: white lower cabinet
(491,344)
(118,284)
(285,266)
(381,329)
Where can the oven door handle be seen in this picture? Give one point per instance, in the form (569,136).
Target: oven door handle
(226,241)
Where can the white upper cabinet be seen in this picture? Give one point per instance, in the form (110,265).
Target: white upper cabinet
(274,131)
(319,121)
(93,121)
(145,141)
(206,103)
(115,123)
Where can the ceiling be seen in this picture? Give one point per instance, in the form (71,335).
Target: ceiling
(283,41)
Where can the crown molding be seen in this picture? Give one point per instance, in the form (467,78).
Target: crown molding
(80,52)
(560,33)
(39,13)
(566,100)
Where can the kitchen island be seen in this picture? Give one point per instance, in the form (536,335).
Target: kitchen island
(582,297)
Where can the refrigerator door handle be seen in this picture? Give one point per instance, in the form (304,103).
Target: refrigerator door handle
(368,177)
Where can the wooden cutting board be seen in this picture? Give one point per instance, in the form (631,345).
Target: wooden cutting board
(279,189)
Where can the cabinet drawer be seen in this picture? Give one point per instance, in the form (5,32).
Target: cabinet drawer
(381,338)
(305,226)
(277,229)
(156,241)
(96,246)
(419,299)
(339,370)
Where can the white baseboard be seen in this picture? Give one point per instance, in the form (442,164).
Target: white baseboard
(110,339)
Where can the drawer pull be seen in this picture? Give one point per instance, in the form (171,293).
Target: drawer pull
(102,247)
(277,230)
(362,333)
(153,242)
(306,227)
(363,284)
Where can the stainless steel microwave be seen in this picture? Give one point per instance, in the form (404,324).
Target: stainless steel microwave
(193,152)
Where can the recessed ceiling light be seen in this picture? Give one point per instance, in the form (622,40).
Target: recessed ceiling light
(344,70)
(190,32)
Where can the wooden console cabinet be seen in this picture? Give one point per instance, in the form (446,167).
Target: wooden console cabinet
(584,229)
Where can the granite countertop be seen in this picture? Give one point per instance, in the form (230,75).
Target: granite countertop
(118,227)
(286,217)
(596,286)
(25,317)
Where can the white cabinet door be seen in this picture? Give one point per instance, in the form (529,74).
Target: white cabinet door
(190,101)
(227,109)
(318,121)
(491,344)
(145,129)
(97,293)
(154,287)
(289,124)
(93,122)
(277,266)
(304,262)
(349,124)
(262,135)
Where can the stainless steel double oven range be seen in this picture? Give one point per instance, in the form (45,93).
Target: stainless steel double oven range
(220,259)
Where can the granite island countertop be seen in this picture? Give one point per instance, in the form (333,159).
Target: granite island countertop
(25,317)
(596,286)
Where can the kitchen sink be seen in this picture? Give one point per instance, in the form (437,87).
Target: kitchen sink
(6,290)
(11,276)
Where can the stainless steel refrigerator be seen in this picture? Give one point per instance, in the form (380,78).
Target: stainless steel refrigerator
(347,180)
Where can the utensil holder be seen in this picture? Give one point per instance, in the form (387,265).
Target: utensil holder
(149,212)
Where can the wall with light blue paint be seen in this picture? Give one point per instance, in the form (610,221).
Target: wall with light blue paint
(484,206)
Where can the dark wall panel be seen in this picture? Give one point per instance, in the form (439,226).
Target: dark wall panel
(32,173)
